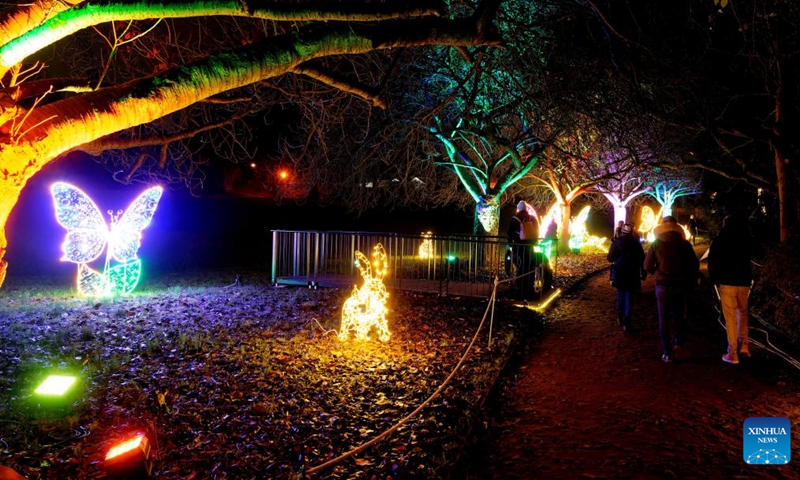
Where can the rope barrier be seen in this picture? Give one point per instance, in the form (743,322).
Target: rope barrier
(402,421)
(425,403)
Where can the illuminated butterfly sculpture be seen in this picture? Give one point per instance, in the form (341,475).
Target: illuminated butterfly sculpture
(88,235)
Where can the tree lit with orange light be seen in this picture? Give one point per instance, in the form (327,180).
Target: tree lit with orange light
(148,90)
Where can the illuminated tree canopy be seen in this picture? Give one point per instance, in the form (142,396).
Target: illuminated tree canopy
(150,85)
(141,77)
(487,109)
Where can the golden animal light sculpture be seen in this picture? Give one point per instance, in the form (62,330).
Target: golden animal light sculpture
(580,238)
(648,221)
(366,308)
(686,232)
(551,216)
(426,247)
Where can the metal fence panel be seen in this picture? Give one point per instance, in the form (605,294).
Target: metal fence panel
(445,264)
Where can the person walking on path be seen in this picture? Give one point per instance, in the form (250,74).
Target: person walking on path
(729,270)
(627,272)
(618,230)
(672,262)
(522,231)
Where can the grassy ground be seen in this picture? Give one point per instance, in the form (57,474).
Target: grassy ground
(246,381)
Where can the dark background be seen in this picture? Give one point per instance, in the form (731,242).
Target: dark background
(214,230)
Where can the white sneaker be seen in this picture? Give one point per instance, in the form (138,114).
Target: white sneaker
(730,358)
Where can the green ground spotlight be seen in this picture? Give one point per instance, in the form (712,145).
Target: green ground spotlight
(56,385)
(56,395)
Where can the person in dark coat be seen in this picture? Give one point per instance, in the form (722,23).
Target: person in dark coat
(520,251)
(618,230)
(729,257)
(672,262)
(627,256)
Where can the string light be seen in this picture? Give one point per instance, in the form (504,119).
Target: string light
(426,247)
(577,228)
(649,221)
(550,217)
(88,235)
(365,309)
(580,239)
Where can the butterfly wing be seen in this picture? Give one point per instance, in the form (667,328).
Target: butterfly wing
(123,278)
(126,234)
(577,226)
(552,216)
(86,229)
(92,283)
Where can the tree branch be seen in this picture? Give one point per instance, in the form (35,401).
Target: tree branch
(20,43)
(318,72)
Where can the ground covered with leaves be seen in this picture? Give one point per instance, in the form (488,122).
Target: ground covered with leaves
(246,381)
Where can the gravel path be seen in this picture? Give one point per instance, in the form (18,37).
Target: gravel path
(589,401)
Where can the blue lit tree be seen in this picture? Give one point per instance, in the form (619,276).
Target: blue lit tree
(486,109)
(665,189)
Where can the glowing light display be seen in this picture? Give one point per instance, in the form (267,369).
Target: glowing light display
(580,239)
(488,215)
(649,221)
(426,247)
(550,299)
(88,235)
(55,385)
(129,459)
(126,446)
(550,217)
(366,308)
(577,228)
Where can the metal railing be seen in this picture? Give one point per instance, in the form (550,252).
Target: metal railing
(446,264)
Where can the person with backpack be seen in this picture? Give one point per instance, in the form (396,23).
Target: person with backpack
(522,232)
(627,272)
(672,262)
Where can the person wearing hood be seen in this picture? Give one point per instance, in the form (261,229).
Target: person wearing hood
(522,232)
(626,255)
(729,257)
(674,266)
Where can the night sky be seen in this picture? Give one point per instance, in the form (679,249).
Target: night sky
(214,230)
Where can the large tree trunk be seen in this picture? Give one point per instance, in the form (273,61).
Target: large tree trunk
(566,215)
(781,173)
(781,163)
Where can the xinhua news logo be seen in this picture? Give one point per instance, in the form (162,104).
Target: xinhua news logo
(767,441)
